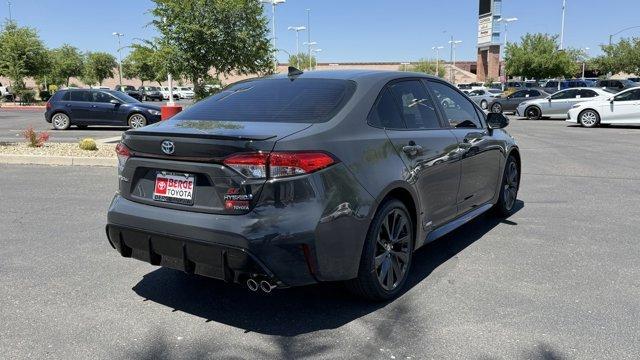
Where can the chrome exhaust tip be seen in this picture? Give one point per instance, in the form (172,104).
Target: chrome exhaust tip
(252,285)
(266,286)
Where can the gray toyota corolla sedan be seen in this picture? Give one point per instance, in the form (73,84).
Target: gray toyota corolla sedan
(309,177)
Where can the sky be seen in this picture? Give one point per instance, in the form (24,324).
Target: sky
(346,30)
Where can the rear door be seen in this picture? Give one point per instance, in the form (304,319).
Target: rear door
(515,99)
(80,106)
(478,152)
(427,148)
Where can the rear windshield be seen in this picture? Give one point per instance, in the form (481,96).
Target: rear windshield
(274,100)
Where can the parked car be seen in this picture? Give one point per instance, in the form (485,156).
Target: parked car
(551,86)
(5,93)
(634,79)
(509,103)
(186,93)
(616,85)
(322,176)
(150,93)
(84,107)
(129,90)
(622,108)
(483,97)
(558,104)
(165,93)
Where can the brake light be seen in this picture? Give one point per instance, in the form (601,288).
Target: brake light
(279,164)
(123,155)
(49,105)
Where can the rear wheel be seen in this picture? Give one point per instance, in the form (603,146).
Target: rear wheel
(387,252)
(589,118)
(509,188)
(533,113)
(496,108)
(137,121)
(60,121)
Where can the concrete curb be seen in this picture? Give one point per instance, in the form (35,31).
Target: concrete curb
(23,108)
(57,160)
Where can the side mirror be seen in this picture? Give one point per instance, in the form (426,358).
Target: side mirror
(114,102)
(497,121)
(610,100)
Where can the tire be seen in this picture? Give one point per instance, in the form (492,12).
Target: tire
(137,121)
(484,105)
(509,188)
(385,260)
(60,121)
(589,118)
(496,108)
(533,113)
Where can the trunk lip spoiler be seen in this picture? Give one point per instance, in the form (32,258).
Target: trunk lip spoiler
(198,135)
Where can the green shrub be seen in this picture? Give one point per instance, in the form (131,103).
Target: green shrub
(44,95)
(88,144)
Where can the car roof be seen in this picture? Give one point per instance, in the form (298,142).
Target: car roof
(353,74)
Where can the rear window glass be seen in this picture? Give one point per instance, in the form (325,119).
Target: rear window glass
(274,100)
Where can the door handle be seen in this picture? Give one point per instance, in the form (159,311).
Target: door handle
(68,105)
(94,106)
(412,149)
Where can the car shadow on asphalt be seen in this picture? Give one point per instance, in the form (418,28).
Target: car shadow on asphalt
(296,311)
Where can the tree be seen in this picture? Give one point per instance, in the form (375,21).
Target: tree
(221,35)
(537,57)
(301,61)
(67,62)
(427,67)
(141,63)
(621,57)
(98,66)
(22,53)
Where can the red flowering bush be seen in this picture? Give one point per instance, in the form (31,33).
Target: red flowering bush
(35,139)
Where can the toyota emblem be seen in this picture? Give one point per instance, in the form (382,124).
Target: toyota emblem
(168,147)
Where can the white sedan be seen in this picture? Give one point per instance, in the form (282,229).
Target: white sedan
(622,108)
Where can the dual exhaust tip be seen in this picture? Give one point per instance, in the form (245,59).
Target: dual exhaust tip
(263,285)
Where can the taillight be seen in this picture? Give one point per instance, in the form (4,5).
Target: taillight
(49,105)
(279,164)
(123,155)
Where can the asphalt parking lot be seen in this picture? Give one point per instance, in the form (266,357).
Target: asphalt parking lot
(13,122)
(557,280)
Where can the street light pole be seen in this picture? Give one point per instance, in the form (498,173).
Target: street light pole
(453,57)
(584,61)
(119,35)
(273,24)
(297,29)
(315,52)
(506,41)
(309,36)
(564,7)
(9,4)
(437,49)
(310,46)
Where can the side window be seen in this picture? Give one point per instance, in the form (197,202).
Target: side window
(80,96)
(66,96)
(533,93)
(99,96)
(418,111)
(519,94)
(588,93)
(460,112)
(562,95)
(628,96)
(385,112)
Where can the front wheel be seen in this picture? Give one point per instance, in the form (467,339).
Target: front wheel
(589,119)
(496,108)
(509,188)
(484,105)
(533,113)
(386,256)
(137,121)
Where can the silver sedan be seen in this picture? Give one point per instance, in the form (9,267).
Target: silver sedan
(483,97)
(559,104)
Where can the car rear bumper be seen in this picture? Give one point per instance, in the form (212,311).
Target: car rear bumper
(303,231)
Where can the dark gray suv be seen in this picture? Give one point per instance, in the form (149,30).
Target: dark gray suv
(323,176)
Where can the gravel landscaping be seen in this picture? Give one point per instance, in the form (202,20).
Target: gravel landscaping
(58,149)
